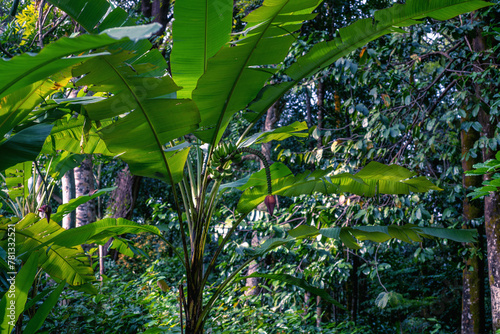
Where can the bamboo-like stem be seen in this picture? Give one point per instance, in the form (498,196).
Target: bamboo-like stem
(219,290)
(221,247)
(185,201)
(199,168)
(181,226)
(192,182)
(210,209)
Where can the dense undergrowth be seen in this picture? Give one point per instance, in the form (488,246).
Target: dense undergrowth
(141,295)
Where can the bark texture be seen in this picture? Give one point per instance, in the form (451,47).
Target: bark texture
(473,313)
(491,202)
(492,227)
(84,185)
(159,11)
(68,193)
(321,111)
(121,204)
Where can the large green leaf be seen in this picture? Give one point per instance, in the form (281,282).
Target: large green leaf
(148,116)
(277,170)
(373,179)
(17,178)
(407,233)
(66,208)
(24,81)
(12,303)
(99,232)
(68,264)
(296,129)
(26,69)
(15,107)
(24,145)
(270,244)
(64,162)
(356,35)
(236,73)
(89,14)
(76,135)
(43,310)
(200,29)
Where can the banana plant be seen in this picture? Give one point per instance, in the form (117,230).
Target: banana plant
(32,246)
(26,81)
(40,246)
(224,75)
(143,115)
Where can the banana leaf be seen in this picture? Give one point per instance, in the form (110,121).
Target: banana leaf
(358,34)
(238,71)
(375,178)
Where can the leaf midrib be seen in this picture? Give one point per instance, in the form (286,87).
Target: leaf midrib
(337,50)
(49,61)
(148,120)
(53,249)
(240,73)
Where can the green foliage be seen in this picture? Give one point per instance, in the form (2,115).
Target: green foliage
(12,303)
(141,114)
(28,75)
(490,167)
(372,180)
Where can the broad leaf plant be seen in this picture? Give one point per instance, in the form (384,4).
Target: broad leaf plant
(171,127)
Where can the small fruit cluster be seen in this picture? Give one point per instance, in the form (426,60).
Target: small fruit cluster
(223,153)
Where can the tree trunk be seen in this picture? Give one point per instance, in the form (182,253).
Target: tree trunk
(473,314)
(159,11)
(355,290)
(252,283)
(321,109)
(492,227)
(120,205)
(146,8)
(492,201)
(308,108)
(84,185)
(307,300)
(319,310)
(273,115)
(68,193)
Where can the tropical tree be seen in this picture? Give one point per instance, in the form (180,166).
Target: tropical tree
(176,135)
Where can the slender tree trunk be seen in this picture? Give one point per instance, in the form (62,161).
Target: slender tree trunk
(491,202)
(84,185)
(492,227)
(319,311)
(68,193)
(252,283)
(355,290)
(307,300)
(473,314)
(159,11)
(308,108)
(321,111)
(146,8)
(273,115)
(121,204)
